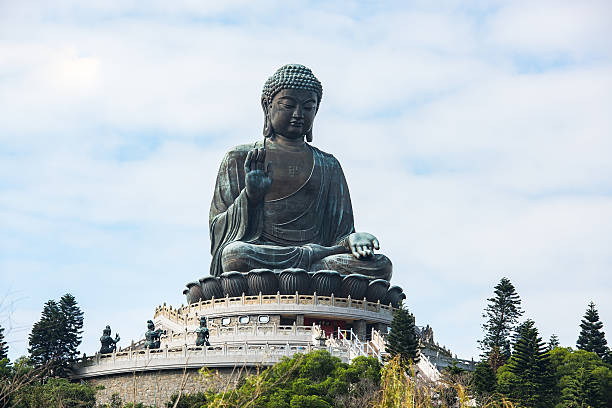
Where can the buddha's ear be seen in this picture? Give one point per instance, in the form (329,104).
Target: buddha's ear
(267,130)
(309,135)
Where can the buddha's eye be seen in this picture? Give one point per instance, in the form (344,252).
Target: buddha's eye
(287,106)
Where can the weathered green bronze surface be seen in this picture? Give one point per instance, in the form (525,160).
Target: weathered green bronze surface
(202,333)
(152,336)
(108,343)
(282,203)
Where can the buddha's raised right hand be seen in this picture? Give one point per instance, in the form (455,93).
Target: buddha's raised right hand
(257,179)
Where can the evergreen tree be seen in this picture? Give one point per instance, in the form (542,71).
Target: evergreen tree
(591,337)
(502,314)
(73,325)
(55,337)
(483,380)
(582,390)
(3,346)
(403,339)
(44,340)
(553,342)
(532,369)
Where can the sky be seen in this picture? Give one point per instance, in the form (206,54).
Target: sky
(475,138)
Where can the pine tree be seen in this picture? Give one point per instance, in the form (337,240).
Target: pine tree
(44,340)
(553,342)
(532,368)
(55,337)
(582,390)
(403,339)
(3,345)
(483,380)
(73,321)
(591,337)
(502,314)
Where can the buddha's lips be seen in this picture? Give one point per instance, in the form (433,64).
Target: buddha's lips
(297,123)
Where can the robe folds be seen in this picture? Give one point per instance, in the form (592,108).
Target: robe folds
(319,212)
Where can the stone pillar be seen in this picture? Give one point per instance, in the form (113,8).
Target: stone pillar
(299,320)
(359,327)
(381,328)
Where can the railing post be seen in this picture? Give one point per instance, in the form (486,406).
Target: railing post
(315,299)
(278,297)
(350,301)
(333,300)
(260,299)
(297,298)
(365,304)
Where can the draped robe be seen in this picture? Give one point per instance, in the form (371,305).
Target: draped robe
(279,234)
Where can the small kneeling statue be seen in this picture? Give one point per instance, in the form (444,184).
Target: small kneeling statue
(282,203)
(203,333)
(109,344)
(152,336)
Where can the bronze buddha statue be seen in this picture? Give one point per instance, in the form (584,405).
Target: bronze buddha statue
(281,202)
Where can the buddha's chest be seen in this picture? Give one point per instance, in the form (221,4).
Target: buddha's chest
(290,170)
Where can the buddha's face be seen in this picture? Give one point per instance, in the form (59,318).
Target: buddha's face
(292,112)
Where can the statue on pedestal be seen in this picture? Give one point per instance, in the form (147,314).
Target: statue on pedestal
(282,203)
(203,333)
(109,344)
(152,336)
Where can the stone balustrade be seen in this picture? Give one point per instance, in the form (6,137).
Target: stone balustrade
(188,316)
(220,334)
(217,355)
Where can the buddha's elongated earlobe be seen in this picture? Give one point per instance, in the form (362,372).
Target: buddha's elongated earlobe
(309,135)
(267,129)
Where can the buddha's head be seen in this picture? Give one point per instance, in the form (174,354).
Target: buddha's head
(203,321)
(290,100)
(150,325)
(106,331)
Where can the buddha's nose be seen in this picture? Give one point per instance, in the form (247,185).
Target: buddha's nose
(297,112)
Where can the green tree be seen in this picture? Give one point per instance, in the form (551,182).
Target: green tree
(582,378)
(73,325)
(55,337)
(57,392)
(3,345)
(581,391)
(502,314)
(402,340)
(483,381)
(195,400)
(45,337)
(316,379)
(531,381)
(591,337)
(553,342)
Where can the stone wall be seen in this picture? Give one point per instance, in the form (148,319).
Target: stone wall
(156,387)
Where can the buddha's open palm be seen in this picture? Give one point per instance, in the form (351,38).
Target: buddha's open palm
(257,179)
(362,244)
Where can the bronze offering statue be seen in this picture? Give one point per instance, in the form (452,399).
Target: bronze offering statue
(282,203)
(203,333)
(109,344)
(152,336)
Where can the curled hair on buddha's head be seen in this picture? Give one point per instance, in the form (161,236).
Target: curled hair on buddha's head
(290,76)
